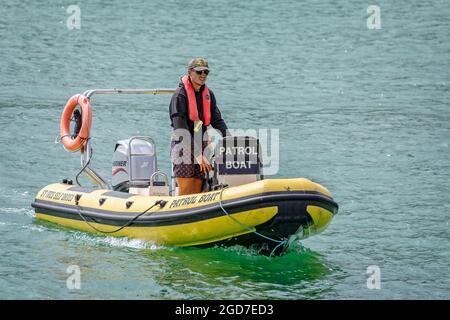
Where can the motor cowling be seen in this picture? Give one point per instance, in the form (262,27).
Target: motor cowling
(134,163)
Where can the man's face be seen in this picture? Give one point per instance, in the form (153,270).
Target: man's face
(198,79)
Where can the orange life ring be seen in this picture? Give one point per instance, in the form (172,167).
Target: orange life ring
(64,131)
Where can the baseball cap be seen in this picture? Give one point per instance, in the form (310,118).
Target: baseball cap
(198,64)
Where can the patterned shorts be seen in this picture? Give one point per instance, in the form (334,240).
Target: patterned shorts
(184,165)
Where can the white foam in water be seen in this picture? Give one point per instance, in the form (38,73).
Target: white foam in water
(122,242)
(129,243)
(34,228)
(24,211)
(241,250)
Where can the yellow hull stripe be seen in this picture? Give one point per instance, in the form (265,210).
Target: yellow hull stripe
(320,216)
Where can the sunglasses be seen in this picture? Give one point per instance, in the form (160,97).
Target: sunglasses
(200,72)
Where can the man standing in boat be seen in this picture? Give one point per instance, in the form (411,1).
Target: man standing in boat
(192,109)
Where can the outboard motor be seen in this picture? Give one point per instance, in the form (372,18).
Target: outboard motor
(135,168)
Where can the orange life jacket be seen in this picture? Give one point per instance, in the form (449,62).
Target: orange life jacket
(192,102)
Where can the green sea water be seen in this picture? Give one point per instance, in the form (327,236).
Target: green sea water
(364,112)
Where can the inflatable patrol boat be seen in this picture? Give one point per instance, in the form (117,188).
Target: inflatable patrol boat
(238,206)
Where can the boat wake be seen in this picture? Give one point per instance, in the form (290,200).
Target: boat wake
(21,211)
(115,242)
